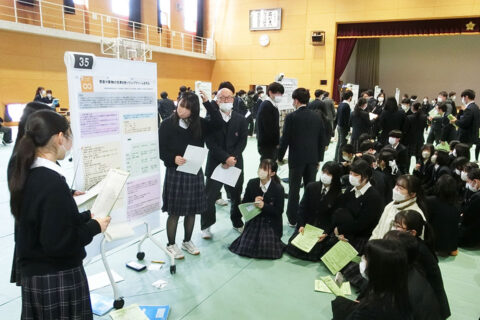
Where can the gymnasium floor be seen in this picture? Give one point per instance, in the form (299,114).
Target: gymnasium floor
(220,285)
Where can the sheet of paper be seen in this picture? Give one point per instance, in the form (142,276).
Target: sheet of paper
(143,197)
(433,113)
(100,304)
(249,210)
(195,157)
(227,176)
(95,124)
(97,159)
(372,116)
(322,286)
(308,239)
(111,189)
(160,284)
(100,280)
(339,256)
(93,192)
(248,114)
(132,312)
(118,231)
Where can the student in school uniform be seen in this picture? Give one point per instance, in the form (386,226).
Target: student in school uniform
(391,119)
(470,224)
(385,265)
(184,193)
(317,206)
(402,158)
(413,131)
(50,232)
(359,209)
(441,163)
(411,222)
(387,166)
(424,167)
(359,122)
(445,215)
(407,195)
(261,237)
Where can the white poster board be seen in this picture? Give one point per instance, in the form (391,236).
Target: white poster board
(397,95)
(289,84)
(355,88)
(113,114)
(378,90)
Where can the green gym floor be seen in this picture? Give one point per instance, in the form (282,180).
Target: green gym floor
(220,285)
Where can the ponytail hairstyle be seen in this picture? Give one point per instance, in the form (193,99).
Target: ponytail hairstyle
(189,100)
(268,164)
(412,220)
(39,129)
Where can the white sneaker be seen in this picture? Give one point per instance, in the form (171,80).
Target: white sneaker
(177,253)
(239,230)
(206,234)
(190,248)
(221,202)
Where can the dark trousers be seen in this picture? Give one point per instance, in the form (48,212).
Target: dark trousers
(7,133)
(212,189)
(308,172)
(250,125)
(268,152)
(341,141)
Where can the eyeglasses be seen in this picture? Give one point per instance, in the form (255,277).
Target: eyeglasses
(226,99)
(399,227)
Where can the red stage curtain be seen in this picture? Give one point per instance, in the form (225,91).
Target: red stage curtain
(416,27)
(344,51)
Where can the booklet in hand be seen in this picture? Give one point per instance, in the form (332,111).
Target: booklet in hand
(249,210)
(339,256)
(308,239)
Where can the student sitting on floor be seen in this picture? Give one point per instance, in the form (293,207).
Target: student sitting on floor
(386,296)
(470,225)
(261,237)
(407,195)
(410,221)
(316,208)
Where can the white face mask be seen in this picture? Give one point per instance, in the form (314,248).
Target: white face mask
(67,152)
(464,102)
(425,101)
(404,107)
(226,106)
(277,99)
(392,140)
(262,174)
(325,178)
(49,96)
(354,181)
(454,153)
(463,176)
(43,92)
(440,99)
(453,98)
(458,172)
(425,154)
(472,188)
(363,267)
(397,196)
(380,99)
(434,158)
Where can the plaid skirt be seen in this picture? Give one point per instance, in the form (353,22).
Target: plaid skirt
(314,255)
(258,240)
(62,295)
(183,193)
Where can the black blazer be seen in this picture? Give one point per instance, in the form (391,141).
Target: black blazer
(304,135)
(444,219)
(414,128)
(165,108)
(318,104)
(268,126)
(389,121)
(468,124)
(343,115)
(239,106)
(229,140)
(273,199)
(448,130)
(360,123)
(401,157)
(315,209)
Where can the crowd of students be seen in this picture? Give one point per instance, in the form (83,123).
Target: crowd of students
(397,219)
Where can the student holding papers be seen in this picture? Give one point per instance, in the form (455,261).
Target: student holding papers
(386,297)
(316,208)
(261,237)
(50,232)
(184,193)
(225,148)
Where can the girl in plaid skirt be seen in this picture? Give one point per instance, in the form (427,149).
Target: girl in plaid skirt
(50,232)
(184,193)
(261,237)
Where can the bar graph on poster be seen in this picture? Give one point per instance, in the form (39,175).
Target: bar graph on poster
(113,114)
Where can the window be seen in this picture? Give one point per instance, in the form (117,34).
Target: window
(190,15)
(121,7)
(164,6)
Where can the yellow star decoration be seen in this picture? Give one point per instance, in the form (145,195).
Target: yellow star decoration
(470,26)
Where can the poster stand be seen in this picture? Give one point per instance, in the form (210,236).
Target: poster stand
(118,301)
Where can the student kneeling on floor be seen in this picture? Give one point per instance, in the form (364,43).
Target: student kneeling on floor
(261,237)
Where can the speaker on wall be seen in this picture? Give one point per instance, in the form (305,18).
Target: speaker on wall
(318,38)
